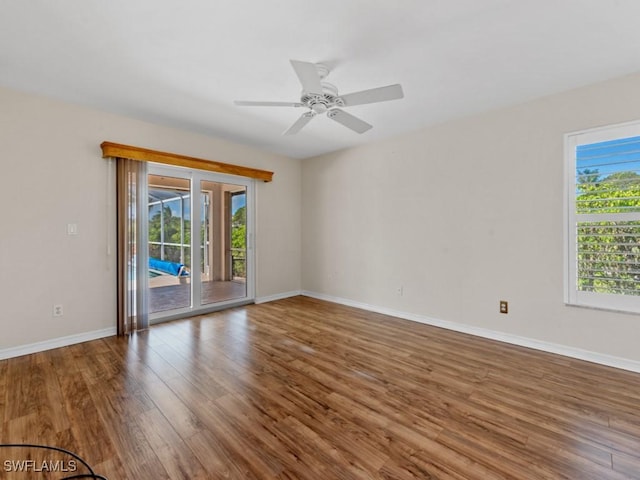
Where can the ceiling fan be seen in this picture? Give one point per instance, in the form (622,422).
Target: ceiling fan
(319,97)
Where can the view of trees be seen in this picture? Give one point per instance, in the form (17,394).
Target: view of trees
(239,242)
(172,228)
(608,250)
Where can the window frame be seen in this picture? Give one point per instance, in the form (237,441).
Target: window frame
(573,296)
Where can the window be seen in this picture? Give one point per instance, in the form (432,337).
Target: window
(603,218)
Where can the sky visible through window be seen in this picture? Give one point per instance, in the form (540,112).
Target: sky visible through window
(238,201)
(613,156)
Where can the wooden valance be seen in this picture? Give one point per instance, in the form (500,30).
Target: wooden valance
(116,150)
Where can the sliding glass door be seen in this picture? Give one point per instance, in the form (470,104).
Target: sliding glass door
(169,247)
(199,229)
(223,243)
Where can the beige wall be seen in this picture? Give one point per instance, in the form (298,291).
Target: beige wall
(53,174)
(462,215)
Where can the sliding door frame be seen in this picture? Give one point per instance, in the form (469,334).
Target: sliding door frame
(195,178)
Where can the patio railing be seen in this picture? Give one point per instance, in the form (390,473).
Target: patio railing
(239,262)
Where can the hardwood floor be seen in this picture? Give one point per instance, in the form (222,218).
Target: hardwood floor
(303,389)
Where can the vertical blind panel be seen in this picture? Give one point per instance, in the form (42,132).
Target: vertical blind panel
(132,256)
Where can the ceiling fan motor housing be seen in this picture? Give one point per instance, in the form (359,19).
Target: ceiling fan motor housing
(321,103)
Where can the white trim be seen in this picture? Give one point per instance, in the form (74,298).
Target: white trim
(56,343)
(196,177)
(568,271)
(573,296)
(278,296)
(602,133)
(572,352)
(567,351)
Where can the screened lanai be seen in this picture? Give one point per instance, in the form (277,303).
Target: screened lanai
(222,243)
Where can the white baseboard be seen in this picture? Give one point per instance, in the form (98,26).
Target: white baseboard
(567,351)
(94,335)
(278,296)
(55,343)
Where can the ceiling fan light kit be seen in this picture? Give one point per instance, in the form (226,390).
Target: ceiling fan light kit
(321,97)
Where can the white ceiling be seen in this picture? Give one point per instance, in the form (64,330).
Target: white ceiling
(182,63)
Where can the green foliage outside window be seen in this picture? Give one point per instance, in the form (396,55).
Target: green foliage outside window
(239,242)
(172,234)
(608,251)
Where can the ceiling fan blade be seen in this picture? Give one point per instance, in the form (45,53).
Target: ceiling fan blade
(308,75)
(244,103)
(348,120)
(301,122)
(380,94)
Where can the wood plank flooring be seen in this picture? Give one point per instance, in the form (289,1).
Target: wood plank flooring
(304,389)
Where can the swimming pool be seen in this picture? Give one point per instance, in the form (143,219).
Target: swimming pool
(152,273)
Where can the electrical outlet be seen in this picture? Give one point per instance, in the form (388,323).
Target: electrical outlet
(58,311)
(504,306)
